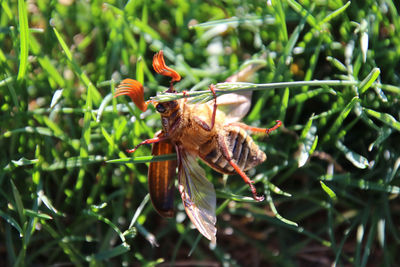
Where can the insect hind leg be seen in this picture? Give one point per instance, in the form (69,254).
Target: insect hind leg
(247,180)
(255,129)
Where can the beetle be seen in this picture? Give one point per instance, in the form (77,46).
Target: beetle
(195,131)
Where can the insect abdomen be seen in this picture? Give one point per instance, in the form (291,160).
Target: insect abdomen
(241,149)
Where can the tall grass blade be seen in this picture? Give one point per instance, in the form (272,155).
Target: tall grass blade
(24,38)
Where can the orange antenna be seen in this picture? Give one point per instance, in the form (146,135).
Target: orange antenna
(134,90)
(160,67)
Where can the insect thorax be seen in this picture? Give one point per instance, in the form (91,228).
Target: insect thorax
(170,115)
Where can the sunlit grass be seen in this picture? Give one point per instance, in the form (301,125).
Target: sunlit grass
(69,192)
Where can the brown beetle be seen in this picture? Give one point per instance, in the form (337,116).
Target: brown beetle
(195,131)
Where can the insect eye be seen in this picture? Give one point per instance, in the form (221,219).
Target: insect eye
(160,108)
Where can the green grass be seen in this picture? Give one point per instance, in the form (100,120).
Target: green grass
(68,194)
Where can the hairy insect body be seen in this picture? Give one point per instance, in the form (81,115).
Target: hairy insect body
(240,147)
(186,125)
(189,126)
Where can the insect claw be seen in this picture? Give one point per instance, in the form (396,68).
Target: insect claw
(255,129)
(131,150)
(148,141)
(258,198)
(254,191)
(276,126)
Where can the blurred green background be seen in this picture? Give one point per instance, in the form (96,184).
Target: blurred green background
(337,154)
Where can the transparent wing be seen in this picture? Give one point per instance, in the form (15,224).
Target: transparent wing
(198,194)
(236,105)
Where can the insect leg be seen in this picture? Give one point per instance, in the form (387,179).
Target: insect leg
(212,88)
(185,95)
(255,129)
(225,153)
(148,141)
(202,123)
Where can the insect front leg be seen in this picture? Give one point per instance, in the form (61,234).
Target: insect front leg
(148,141)
(225,154)
(204,124)
(255,129)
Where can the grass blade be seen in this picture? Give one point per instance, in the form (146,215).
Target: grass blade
(228,87)
(234,22)
(307,139)
(304,13)
(11,221)
(369,80)
(24,38)
(335,13)
(108,254)
(48,66)
(356,159)
(18,203)
(329,191)
(384,117)
(273,208)
(339,121)
(143,159)
(74,162)
(83,77)
(361,183)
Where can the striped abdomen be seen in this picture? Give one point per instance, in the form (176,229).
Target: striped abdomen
(240,147)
